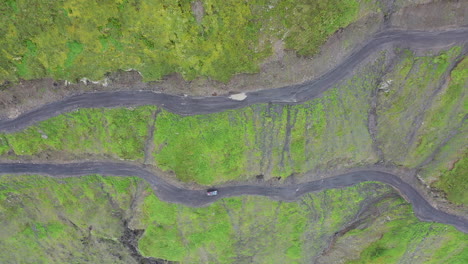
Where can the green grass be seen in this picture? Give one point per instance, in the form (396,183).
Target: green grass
(4,147)
(414,80)
(447,112)
(74,39)
(453,182)
(71,220)
(204,148)
(405,239)
(305,25)
(447,170)
(42,214)
(393,246)
(445,158)
(75,48)
(117,133)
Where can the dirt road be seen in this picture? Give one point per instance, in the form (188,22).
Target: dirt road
(196,198)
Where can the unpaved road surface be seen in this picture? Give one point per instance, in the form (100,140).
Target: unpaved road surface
(195,198)
(187,105)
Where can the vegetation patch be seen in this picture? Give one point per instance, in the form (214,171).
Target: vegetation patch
(117,133)
(421,119)
(74,39)
(453,182)
(78,219)
(409,125)
(405,239)
(449,109)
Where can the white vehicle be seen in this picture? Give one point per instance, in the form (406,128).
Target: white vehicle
(212,192)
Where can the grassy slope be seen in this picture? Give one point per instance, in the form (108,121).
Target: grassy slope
(395,236)
(416,85)
(447,172)
(449,108)
(249,229)
(413,84)
(72,39)
(448,169)
(453,182)
(63,221)
(114,133)
(81,219)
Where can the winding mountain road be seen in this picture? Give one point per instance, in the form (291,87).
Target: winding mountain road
(187,105)
(195,198)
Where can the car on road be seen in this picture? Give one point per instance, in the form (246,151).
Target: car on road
(212,192)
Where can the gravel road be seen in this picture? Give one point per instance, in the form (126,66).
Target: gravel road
(196,198)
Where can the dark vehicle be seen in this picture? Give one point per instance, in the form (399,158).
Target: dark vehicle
(212,192)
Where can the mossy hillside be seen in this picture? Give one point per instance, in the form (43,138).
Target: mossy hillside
(417,242)
(71,220)
(453,181)
(391,234)
(82,219)
(449,109)
(407,101)
(427,123)
(446,168)
(271,140)
(73,39)
(305,25)
(117,133)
